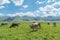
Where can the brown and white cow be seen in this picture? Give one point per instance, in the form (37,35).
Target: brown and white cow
(35,25)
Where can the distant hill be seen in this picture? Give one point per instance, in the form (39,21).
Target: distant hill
(28,18)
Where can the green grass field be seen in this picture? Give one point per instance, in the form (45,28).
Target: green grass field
(23,32)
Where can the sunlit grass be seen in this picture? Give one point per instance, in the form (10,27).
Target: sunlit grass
(23,32)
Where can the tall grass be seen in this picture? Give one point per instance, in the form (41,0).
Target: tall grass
(24,32)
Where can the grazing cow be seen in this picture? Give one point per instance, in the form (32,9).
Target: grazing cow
(4,23)
(15,24)
(35,25)
(54,24)
(48,23)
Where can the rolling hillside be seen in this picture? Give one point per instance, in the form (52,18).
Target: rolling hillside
(29,18)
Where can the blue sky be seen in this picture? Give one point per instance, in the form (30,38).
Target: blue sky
(33,8)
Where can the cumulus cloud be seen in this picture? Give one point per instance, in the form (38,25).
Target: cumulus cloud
(46,8)
(18,2)
(51,1)
(25,6)
(50,10)
(50,14)
(30,14)
(1,14)
(16,14)
(56,4)
(2,2)
(38,2)
(1,7)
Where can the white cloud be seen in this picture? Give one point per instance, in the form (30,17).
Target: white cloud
(30,14)
(50,10)
(25,6)
(18,2)
(11,15)
(51,1)
(1,14)
(46,8)
(16,14)
(56,4)
(1,7)
(2,2)
(50,14)
(38,2)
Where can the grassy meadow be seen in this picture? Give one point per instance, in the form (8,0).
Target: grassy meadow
(24,32)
